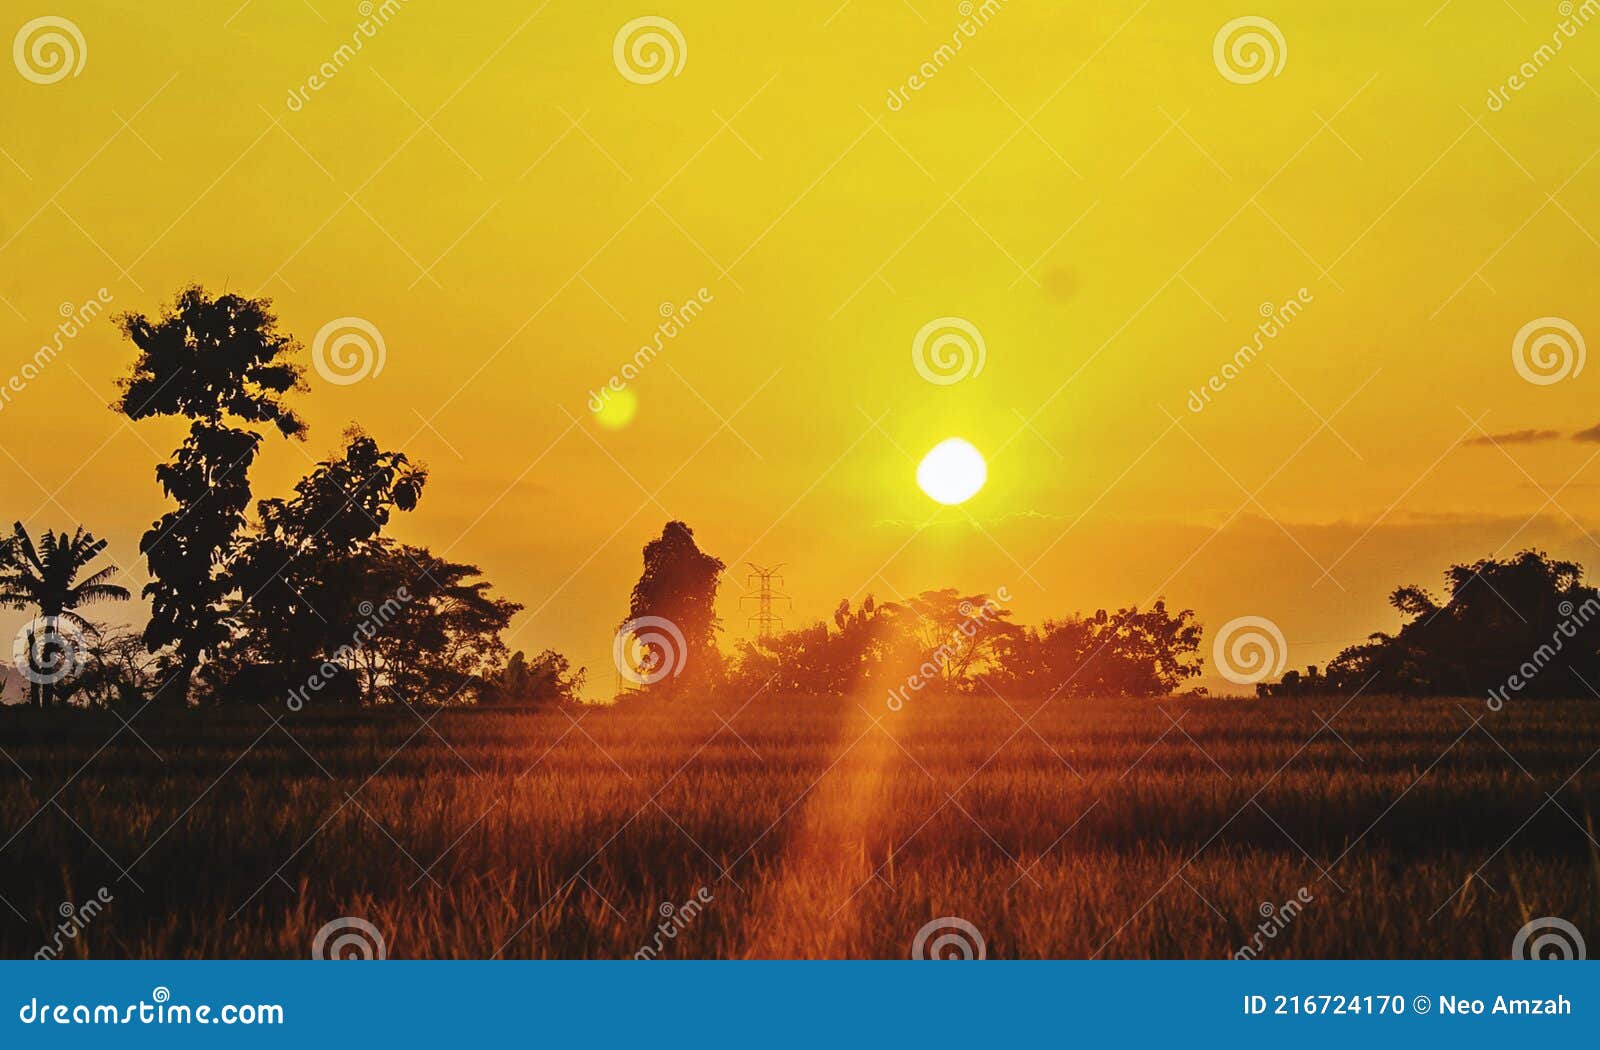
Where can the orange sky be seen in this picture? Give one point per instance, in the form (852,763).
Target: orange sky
(1084,186)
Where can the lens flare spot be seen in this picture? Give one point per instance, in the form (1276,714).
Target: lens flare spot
(614,409)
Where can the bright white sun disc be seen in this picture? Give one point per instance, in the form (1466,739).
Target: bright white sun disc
(952,472)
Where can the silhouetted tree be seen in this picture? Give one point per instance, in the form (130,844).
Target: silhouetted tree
(1121,653)
(301,592)
(547,678)
(1525,626)
(222,364)
(440,636)
(679,584)
(117,670)
(46,577)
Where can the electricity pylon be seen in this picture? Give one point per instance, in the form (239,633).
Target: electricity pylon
(765,620)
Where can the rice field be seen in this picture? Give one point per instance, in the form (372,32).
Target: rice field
(790,827)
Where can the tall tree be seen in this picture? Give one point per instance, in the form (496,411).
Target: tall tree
(222,364)
(298,574)
(46,577)
(679,584)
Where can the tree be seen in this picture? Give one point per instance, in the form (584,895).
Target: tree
(433,629)
(548,678)
(117,670)
(951,636)
(299,573)
(46,577)
(1120,653)
(222,364)
(1527,626)
(678,585)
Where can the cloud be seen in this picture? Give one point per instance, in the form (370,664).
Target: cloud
(1530,437)
(1592,434)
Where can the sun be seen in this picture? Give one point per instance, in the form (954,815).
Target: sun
(952,472)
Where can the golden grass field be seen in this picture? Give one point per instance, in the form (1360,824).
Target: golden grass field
(818,828)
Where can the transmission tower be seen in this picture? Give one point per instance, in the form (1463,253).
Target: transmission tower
(762,579)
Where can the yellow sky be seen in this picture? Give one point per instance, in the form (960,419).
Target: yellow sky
(1080,182)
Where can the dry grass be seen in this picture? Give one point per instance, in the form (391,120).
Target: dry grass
(1099,829)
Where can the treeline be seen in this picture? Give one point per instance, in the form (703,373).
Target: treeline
(305,599)
(938,642)
(1527,626)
